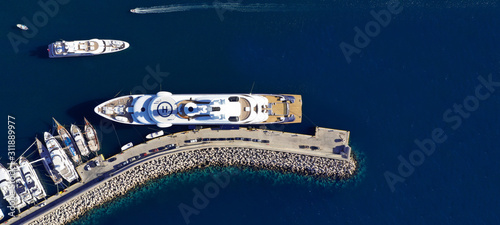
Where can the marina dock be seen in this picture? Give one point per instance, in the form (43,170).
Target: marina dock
(324,154)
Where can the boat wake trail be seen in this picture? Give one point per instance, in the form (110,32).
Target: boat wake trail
(258,7)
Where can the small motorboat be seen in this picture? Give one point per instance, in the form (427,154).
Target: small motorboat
(155,134)
(22,26)
(127,146)
(132,10)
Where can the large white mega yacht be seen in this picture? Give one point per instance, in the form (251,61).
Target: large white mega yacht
(165,109)
(90,47)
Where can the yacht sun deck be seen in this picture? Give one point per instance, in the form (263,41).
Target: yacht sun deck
(165,109)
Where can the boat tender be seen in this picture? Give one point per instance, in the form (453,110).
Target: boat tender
(165,109)
(22,26)
(155,134)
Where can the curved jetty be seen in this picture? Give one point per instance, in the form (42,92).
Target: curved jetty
(327,156)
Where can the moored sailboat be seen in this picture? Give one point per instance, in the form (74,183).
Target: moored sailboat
(92,140)
(68,142)
(80,140)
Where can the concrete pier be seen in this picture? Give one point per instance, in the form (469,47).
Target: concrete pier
(326,154)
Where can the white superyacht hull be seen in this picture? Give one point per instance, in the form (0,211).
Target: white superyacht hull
(61,49)
(165,109)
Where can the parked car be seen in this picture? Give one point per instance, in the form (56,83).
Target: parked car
(206,139)
(247,139)
(238,138)
(314,148)
(144,154)
(191,141)
(303,146)
(255,140)
(170,146)
(265,141)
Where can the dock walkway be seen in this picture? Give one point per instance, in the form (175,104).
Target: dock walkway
(327,143)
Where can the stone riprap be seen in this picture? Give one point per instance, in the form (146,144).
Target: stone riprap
(124,181)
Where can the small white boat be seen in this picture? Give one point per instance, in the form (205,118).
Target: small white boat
(22,26)
(155,134)
(132,10)
(127,146)
(1,214)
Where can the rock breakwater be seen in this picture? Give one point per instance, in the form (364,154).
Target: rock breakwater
(124,181)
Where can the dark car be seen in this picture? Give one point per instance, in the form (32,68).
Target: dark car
(154,150)
(144,154)
(314,148)
(303,146)
(255,140)
(221,139)
(247,139)
(131,159)
(230,139)
(206,139)
(213,139)
(265,141)
(238,138)
(170,146)
(112,159)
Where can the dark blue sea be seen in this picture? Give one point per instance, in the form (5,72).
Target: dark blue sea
(416,82)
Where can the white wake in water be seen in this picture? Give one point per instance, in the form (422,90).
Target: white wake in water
(264,7)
